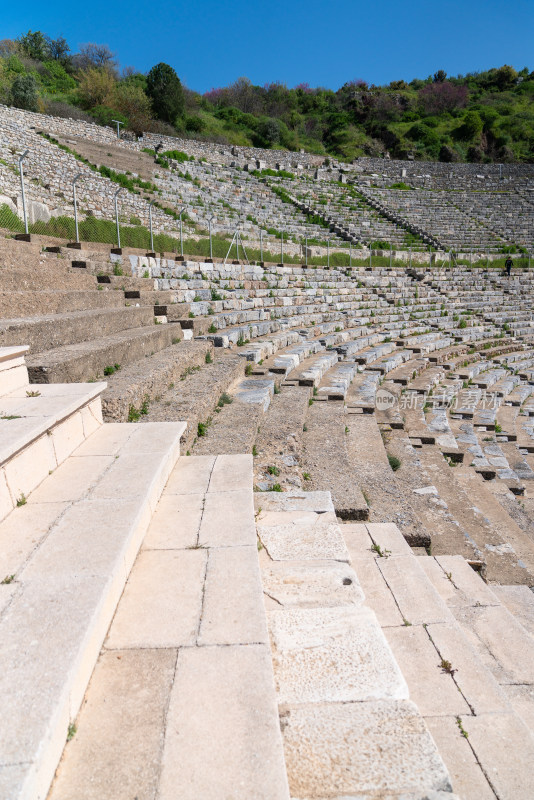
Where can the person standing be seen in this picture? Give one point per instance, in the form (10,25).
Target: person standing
(508,264)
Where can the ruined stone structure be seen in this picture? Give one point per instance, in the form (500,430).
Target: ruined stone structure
(265,531)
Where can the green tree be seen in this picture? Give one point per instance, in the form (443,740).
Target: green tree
(24,92)
(35,45)
(165,90)
(471,127)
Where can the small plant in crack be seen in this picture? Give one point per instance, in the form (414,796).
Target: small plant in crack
(381,553)
(461,728)
(71,731)
(446,666)
(33,394)
(273,471)
(8,579)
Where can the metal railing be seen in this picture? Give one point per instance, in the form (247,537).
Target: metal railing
(24,215)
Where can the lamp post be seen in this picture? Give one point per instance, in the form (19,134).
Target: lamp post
(150,223)
(117,217)
(181,232)
(118,123)
(21,172)
(79,175)
(209,226)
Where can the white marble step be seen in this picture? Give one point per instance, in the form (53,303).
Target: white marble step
(77,538)
(13,371)
(182,701)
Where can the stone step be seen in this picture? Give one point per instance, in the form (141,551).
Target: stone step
(449,680)
(43,333)
(86,360)
(347,723)
(39,279)
(325,458)
(183,704)
(32,303)
(40,429)
(68,574)
(151,378)
(13,370)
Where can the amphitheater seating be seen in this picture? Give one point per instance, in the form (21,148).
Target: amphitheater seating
(266,530)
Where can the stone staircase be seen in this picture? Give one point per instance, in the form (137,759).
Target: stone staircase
(466,657)
(77,497)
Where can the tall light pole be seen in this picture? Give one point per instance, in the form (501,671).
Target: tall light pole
(150,223)
(21,173)
(77,177)
(181,232)
(209,226)
(118,123)
(117,217)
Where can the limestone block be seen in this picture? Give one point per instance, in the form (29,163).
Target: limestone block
(223,734)
(175,523)
(233,611)
(332,655)
(371,749)
(503,747)
(467,777)
(67,436)
(228,518)
(303,585)
(120,727)
(26,470)
(160,582)
(289,536)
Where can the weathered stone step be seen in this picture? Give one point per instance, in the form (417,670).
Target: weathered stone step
(346,720)
(449,681)
(183,704)
(45,332)
(152,377)
(19,280)
(87,359)
(39,430)
(36,303)
(65,587)
(326,460)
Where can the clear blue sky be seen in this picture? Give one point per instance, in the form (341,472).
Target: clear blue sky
(213,42)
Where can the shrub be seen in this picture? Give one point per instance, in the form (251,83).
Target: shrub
(394,462)
(24,93)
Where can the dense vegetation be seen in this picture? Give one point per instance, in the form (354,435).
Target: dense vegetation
(480,117)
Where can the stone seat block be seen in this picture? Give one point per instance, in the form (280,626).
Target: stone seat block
(39,433)
(85,360)
(53,330)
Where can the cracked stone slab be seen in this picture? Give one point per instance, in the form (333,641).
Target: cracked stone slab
(361,750)
(305,536)
(338,654)
(320,502)
(309,585)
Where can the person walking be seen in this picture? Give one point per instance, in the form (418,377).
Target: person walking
(508,264)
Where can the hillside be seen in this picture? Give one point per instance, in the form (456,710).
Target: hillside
(480,117)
